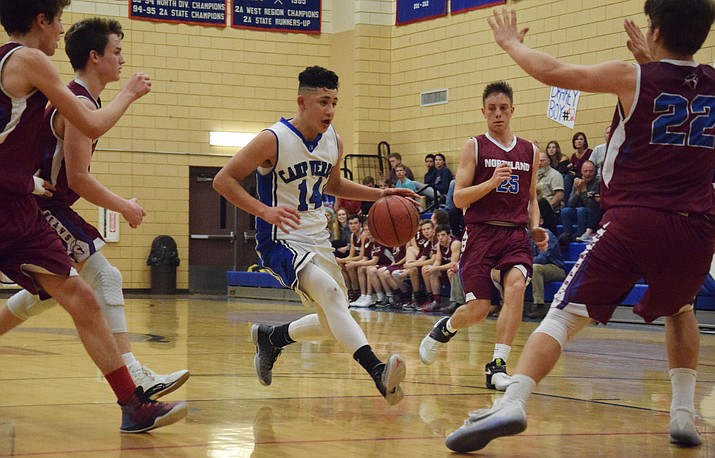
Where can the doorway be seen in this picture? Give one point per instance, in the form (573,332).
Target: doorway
(221,237)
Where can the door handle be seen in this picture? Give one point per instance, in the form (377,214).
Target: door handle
(248,237)
(231,236)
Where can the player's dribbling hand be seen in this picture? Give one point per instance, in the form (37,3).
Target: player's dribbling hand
(503,25)
(402,192)
(286,218)
(636,43)
(138,85)
(540,237)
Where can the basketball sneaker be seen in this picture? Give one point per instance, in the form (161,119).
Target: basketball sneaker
(437,337)
(155,385)
(682,428)
(142,414)
(497,378)
(266,352)
(388,376)
(482,426)
(433,306)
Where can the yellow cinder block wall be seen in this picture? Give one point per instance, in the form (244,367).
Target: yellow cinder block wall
(207,78)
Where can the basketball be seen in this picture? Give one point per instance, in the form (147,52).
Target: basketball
(392,221)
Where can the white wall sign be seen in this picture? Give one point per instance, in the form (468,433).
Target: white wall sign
(562,107)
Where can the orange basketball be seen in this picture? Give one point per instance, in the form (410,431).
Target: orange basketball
(392,221)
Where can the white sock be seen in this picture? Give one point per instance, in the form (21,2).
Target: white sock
(501,351)
(682,381)
(380,297)
(129,359)
(520,388)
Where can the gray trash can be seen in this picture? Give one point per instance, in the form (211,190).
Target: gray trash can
(163,259)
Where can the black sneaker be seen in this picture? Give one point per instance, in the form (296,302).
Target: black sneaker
(497,378)
(388,376)
(266,352)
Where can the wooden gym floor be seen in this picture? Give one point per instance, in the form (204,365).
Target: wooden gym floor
(609,396)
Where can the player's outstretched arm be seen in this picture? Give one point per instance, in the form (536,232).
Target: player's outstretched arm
(260,152)
(33,69)
(609,77)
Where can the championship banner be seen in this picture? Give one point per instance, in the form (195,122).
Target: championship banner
(409,11)
(205,12)
(298,16)
(462,6)
(563,104)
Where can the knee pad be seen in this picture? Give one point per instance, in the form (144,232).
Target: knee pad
(23,305)
(106,281)
(562,326)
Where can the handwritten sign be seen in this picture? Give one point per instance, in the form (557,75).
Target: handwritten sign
(300,16)
(205,12)
(409,11)
(462,6)
(563,104)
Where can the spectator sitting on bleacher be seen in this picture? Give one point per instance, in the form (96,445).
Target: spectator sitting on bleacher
(444,175)
(548,266)
(550,184)
(415,259)
(359,267)
(402,180)
(395,159)
(445,254)
(351,277)
(431,170)
(340,233)
(392,286)
(583,207)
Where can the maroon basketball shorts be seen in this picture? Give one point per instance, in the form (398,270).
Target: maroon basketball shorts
(670,252)
(30,246)
(486,247)
(81,239)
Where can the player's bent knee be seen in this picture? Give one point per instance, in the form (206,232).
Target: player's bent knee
(24,304)
(561,325)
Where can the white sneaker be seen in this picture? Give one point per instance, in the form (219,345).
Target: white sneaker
(482,426)
(366,301)
(156,385)
(682,428)
(434,341)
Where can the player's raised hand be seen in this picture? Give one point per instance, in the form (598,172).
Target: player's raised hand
(138,85)
(540,237)
(286,218)
(501,173)
(505,29)
(636,43)
(133,213)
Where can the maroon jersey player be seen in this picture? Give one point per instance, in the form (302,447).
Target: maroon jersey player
(659,202)
(496,183)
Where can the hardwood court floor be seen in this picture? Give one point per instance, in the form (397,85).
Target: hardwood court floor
(609,396)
